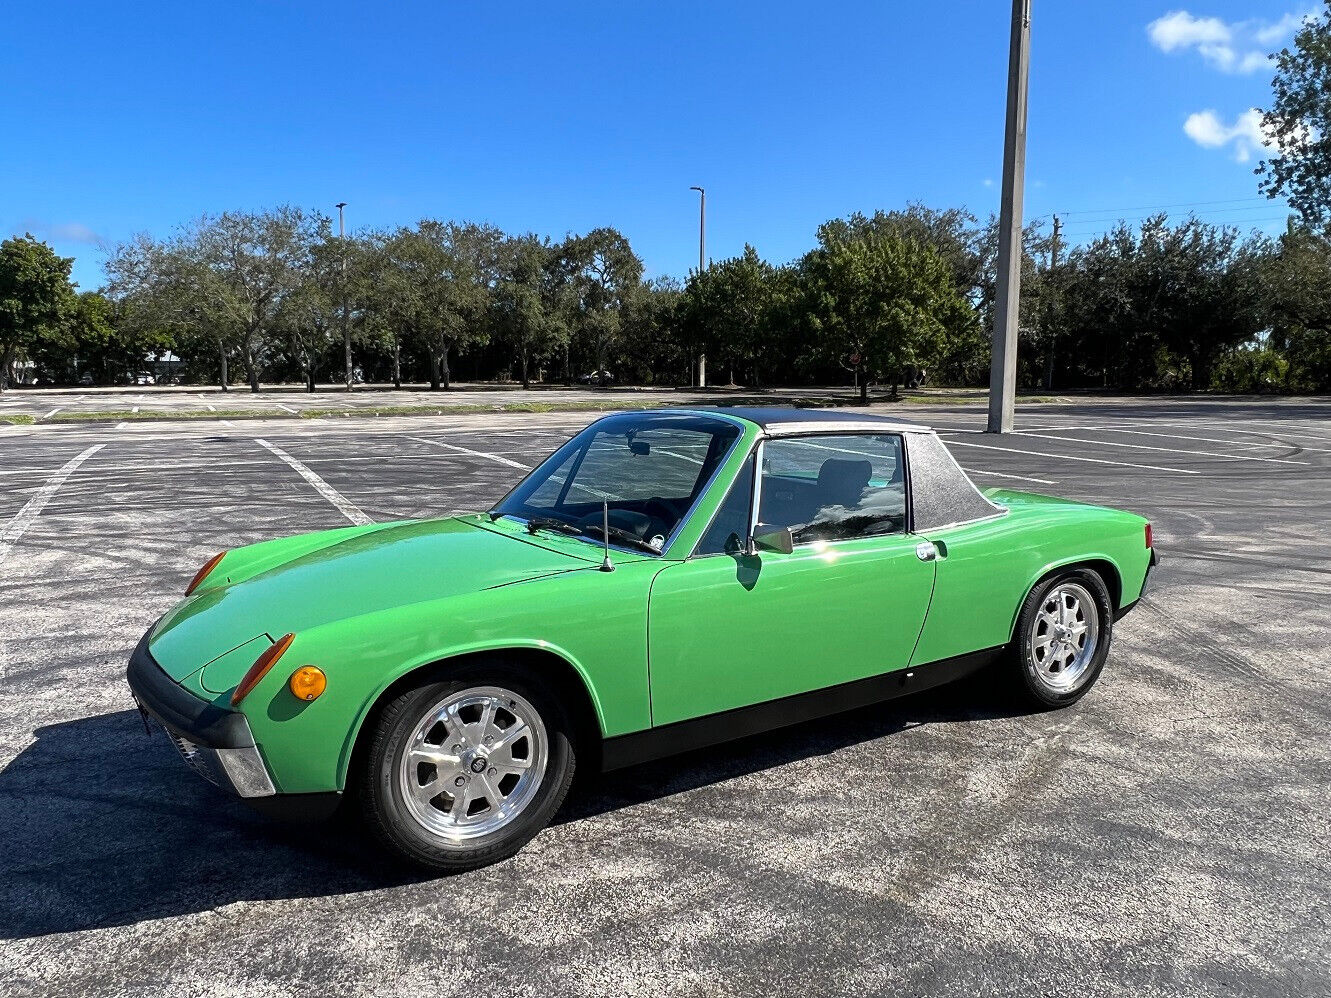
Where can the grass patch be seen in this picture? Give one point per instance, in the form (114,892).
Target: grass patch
(17,418)
(126,416)
(978,399)
(471,408)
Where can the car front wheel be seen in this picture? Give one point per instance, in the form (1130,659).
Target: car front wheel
(1062,638)
(464,772)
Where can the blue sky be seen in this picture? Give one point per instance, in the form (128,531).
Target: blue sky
(119,118)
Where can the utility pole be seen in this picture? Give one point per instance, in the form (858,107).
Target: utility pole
(1051,332)
(346,319)
(1007,303)
(702,253)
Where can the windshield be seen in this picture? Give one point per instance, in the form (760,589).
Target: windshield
(649,468)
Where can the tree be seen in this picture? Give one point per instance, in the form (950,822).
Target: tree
(725,310)
(36,299)
(529,314)
(156,289)
(245,263)
(308,314)
(1297,297)
(606,273)
(438,280)
(876,301)
(652,348)
(1299,124)
(94,344)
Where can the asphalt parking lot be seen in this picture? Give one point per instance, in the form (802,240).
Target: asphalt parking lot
(1170,834)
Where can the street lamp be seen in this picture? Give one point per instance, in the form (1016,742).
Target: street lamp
(346,325)
(702,243)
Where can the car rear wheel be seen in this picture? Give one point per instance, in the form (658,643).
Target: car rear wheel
(1062,638)
(464,772)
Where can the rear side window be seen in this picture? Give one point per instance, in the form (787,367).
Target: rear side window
(831,488)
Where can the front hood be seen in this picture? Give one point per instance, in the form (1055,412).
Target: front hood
(363,573)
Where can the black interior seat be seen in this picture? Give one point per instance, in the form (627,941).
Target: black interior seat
(842,482)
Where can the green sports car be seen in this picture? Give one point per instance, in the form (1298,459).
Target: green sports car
(664,581)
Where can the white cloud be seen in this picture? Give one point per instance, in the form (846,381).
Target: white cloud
(65,232)
(1229,46)
(74,232)
(1245,136)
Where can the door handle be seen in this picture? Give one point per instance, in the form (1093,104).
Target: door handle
(925,551)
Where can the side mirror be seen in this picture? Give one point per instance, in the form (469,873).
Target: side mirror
(781,540)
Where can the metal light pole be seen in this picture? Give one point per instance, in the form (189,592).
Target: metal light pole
(346,324)
(1007,303)
(702,254)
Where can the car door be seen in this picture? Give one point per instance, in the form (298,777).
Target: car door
(729,629)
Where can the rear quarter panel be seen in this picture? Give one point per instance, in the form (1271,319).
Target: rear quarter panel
(986,568)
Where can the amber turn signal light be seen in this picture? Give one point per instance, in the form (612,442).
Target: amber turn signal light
(260,667)
(203,572)
(307,682)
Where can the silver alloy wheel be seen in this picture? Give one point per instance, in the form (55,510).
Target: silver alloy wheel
(473,763)
(1064,637)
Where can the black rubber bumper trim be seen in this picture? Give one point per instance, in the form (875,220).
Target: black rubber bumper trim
(200,721)
(714,729)
(297,807)
(1127,608)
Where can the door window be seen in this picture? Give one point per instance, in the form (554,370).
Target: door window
(730,526)
(832,488)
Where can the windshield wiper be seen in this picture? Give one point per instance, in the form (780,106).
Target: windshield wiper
(548,523)
(621,535)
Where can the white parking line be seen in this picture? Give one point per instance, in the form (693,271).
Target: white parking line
(52,413)
(344,506)
(1070,457)
(474,453)
(212,408)
(1003,474)
(1165,450)
(1297,429)
(135,409)
(1245,444)
(14,529)
(286,407)
(121,426)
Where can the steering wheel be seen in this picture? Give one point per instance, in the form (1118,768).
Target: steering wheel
(664,510)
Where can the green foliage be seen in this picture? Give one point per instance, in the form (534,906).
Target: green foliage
(883,297)
(1251,370)
(878,301)
(727,312)
(604,275)
(1299,122)
(532,300)
(1297,298)
(36,299)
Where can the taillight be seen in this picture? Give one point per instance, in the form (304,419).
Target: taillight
(203,572)
(260,668)
(1148,536)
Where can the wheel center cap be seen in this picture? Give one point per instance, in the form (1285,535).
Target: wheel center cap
(478,764)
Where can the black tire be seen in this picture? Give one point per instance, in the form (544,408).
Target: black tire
(390,816)
(1037,683)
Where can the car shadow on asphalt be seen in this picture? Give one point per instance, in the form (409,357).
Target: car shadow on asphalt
(103,825)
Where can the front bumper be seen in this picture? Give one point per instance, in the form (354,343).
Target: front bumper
(215,742)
